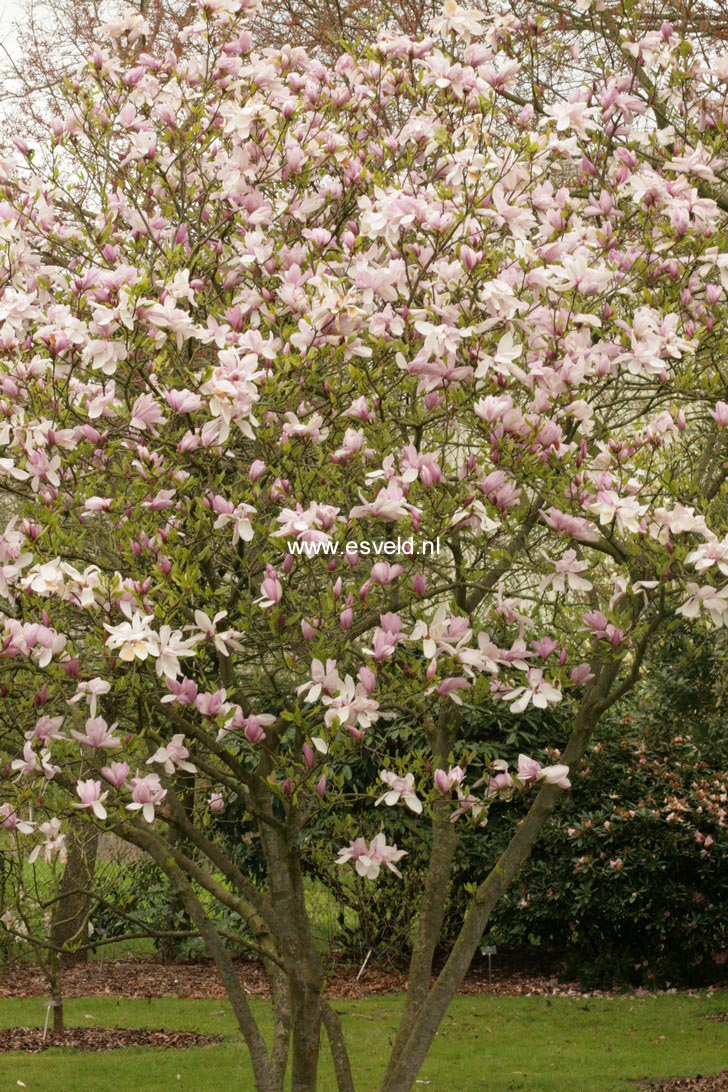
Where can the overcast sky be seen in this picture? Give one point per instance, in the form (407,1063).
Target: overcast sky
(9,13)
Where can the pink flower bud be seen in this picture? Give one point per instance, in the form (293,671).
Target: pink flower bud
(308,756)
(257,470)
(321,785)
(419,583)
(368,679)
(442,782)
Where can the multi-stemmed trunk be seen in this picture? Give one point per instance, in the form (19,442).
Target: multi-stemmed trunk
(285,942)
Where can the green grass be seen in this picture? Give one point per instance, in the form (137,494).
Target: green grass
(559,1044)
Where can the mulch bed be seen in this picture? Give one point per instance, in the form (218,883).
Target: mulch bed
(718,1083)
(31,1040)
(198,979)
(146,978)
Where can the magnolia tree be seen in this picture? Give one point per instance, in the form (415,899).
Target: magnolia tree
(336,401)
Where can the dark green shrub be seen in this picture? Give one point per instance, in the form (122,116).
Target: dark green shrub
(629,882)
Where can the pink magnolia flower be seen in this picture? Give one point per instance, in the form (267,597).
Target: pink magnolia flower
(400,788)
(451,687)
(574,526)
(91,690)
(469,804)
(627,512)
(368,679)
(211,705)
(323,678)
(54,843)
(183,401)
(271,589)
(216,802)
(529,770)
(567,574)
(116,774)
(709,599)
(720,414)
(383,572)
(91,797)
(351,706)
(369,859)
(500,783)
(174,755)
(183,693)
(602,628)
(207,626)
(386,637)
(34,762)
(581,674)
(146,413)
(544,647)
(146,794)
(172,647)
(98,735)
(46,729)
(537,691)
(254,732)
(556,775)
(9,820)
(446,781)
(388,505)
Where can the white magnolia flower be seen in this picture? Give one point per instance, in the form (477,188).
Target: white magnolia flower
(400,788)
(135,639)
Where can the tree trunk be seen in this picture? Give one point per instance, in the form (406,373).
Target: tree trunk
(410,1052)
(53,975)
(69,925)
(306,1005)
(339,1053)
(281,1025)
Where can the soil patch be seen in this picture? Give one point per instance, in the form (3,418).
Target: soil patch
(718,1083)
(198,978)
(30,1040)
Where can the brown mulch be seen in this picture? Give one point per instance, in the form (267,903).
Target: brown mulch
(145,978)
(718,1083)
(31,1040)
(198,979)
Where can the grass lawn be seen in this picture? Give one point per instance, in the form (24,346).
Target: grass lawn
(564,1044)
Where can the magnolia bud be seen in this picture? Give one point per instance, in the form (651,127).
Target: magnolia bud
(368,679)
